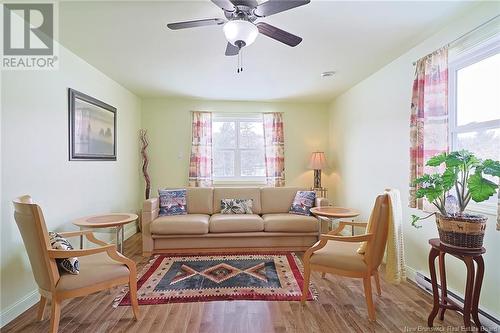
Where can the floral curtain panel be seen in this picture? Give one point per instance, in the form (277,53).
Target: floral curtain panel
(429,116)
(200,162)
(274,149)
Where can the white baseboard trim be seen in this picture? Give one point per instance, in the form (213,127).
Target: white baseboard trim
(130,231)
(411,274)
(16,309)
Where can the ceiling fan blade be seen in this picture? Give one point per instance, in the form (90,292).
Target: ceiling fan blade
(232,50)
(197,23)
(226,5)
(271,7)
(278,34)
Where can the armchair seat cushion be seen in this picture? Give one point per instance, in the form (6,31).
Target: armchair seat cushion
(340,255)
(285,222)
(94,269)
(236,223)
(196,224)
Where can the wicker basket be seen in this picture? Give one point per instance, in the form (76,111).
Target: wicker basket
(461,231)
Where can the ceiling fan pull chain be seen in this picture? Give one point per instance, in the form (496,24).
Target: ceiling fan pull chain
(238,68)
(241,67)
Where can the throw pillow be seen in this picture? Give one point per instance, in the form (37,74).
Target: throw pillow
(236,206)
(303,202)
(70,265)
(172,202)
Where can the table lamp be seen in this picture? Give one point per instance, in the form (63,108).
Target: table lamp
(316,163)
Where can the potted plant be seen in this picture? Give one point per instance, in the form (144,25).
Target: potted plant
(466,176)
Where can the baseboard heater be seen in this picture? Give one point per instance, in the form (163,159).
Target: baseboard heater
(490,323)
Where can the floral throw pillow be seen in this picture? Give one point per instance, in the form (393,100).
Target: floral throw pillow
(172,202)
(70,265)
(303,202)
(236,206)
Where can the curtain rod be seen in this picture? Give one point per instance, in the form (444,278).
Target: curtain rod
(465,34)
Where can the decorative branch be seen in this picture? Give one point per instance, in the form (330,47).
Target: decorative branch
(145,161)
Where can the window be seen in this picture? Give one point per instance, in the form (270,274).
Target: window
(238,148)
(474,106)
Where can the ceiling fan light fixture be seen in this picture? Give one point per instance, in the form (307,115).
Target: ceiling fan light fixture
(240,32)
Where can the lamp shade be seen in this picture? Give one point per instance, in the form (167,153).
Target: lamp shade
(240,31)
(317,161)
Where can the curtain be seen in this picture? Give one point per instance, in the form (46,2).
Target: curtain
(274,141)
(200,162)
(429,117)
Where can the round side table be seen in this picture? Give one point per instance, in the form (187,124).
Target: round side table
(112,220)
(332,213)
(472,286)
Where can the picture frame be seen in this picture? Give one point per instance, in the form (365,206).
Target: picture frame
(92,128)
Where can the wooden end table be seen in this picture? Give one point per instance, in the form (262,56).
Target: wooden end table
(331,213)
(112,220)
(472,286)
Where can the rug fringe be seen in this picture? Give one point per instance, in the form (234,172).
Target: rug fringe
(123,292)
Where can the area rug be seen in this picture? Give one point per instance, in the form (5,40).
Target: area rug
(202,278)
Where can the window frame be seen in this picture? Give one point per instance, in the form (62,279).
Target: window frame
(238,179)
(460,61)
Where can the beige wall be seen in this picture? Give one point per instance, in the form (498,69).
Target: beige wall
(168,122)
(35,161)
(369,128)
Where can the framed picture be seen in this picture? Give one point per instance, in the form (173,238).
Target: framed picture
(92,128)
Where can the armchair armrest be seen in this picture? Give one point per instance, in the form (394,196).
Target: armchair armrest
(61,254)
(87,233)
(110,249)
(355,239)
(343,224)
(324,238)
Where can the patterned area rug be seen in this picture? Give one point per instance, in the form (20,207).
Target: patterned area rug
(201,278)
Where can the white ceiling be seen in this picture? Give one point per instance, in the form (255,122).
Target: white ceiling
(129,42)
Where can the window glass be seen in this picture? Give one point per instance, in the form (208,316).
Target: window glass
(224,134)
(238,148)
(478,91)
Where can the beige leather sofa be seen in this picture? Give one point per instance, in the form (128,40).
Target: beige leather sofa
(271,227)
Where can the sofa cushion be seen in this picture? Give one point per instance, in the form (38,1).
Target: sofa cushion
(180,224)
(200,200)
(278,199)
(236,223)
(340,255)
(237,193)
(285,222)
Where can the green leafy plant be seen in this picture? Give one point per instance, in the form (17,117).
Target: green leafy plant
(464,173)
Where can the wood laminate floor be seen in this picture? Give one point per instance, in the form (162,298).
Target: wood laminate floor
(340,308)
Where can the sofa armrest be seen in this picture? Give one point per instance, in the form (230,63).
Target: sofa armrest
(150,205)
(321,202)
(150,210)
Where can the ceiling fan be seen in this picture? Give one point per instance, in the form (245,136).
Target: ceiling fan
(240,29)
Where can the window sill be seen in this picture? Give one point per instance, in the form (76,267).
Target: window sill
(490,210)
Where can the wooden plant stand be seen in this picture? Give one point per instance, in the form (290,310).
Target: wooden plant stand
(472,287)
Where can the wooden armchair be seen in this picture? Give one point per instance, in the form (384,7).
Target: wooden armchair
(100,268)
(338,254)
